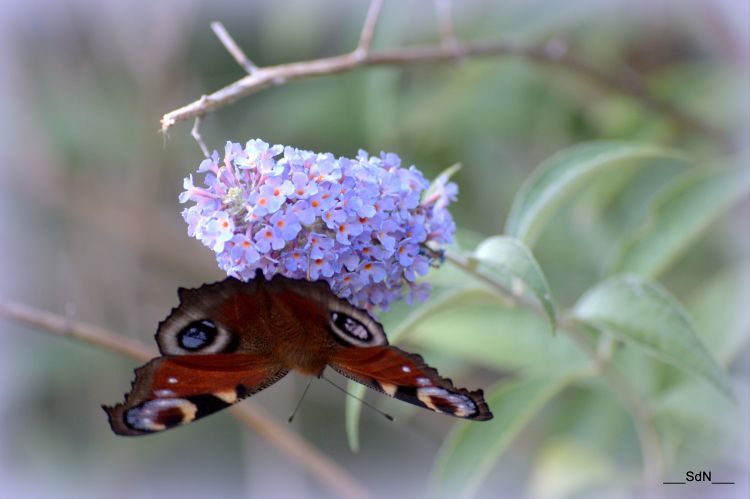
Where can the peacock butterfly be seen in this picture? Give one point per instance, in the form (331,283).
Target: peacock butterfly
(228,340)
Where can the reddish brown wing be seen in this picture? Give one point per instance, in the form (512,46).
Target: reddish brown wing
(405,376)
(178,389)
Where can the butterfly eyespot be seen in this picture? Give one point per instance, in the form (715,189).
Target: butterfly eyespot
(350,328)
(440,400)
(197,335)
(160,414)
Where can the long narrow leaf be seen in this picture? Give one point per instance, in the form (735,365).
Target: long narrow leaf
(678,217)
(511,261)
(560,177)
(643,313)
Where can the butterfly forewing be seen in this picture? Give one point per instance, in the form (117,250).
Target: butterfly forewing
(176,390)
(406,377)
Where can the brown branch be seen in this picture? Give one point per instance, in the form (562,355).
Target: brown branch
(445,24)
(319,466)
(552,54)
(61,325)
(368,29)
(196,133)
(226,39)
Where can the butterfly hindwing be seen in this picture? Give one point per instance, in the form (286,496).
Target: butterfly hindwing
(175,390)
(406,377)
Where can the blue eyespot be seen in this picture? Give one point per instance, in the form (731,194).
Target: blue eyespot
(197,335)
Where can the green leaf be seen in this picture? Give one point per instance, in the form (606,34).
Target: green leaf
(511,262)
(719,307)
(642,312)
(353,413)
(562,175)
(678,216)
(498,337)
(472,448)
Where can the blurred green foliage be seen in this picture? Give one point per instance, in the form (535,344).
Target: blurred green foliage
(91,219)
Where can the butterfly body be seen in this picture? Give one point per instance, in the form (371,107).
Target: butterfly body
(231,339)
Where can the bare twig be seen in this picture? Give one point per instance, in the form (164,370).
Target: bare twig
(330,474)
(226,39)
(319,466)
(61,325)
(196,133)
(653,460)
(552,54)
(368,30)
(444,11)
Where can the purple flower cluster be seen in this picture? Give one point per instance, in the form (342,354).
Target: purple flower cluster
(360,224)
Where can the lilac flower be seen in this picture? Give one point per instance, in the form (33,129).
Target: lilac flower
(443,192)
(407,250)
(385,234)
(267,238)
(286,225)
(332,218)
(325,199)
(295,261)
(346,229)
(270,197)
(303,186)
(215,230)
(373,271)
(259,156)
(360,224)
(318,245)
(303,212)
(320,267)
(243,250)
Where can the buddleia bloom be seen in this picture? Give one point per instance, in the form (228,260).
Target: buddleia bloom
(363,224)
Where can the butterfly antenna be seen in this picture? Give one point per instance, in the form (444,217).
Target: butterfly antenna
(385,415)
(300,400)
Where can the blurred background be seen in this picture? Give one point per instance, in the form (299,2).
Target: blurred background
(91,227)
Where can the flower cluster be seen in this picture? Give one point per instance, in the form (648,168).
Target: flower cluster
(360,224)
